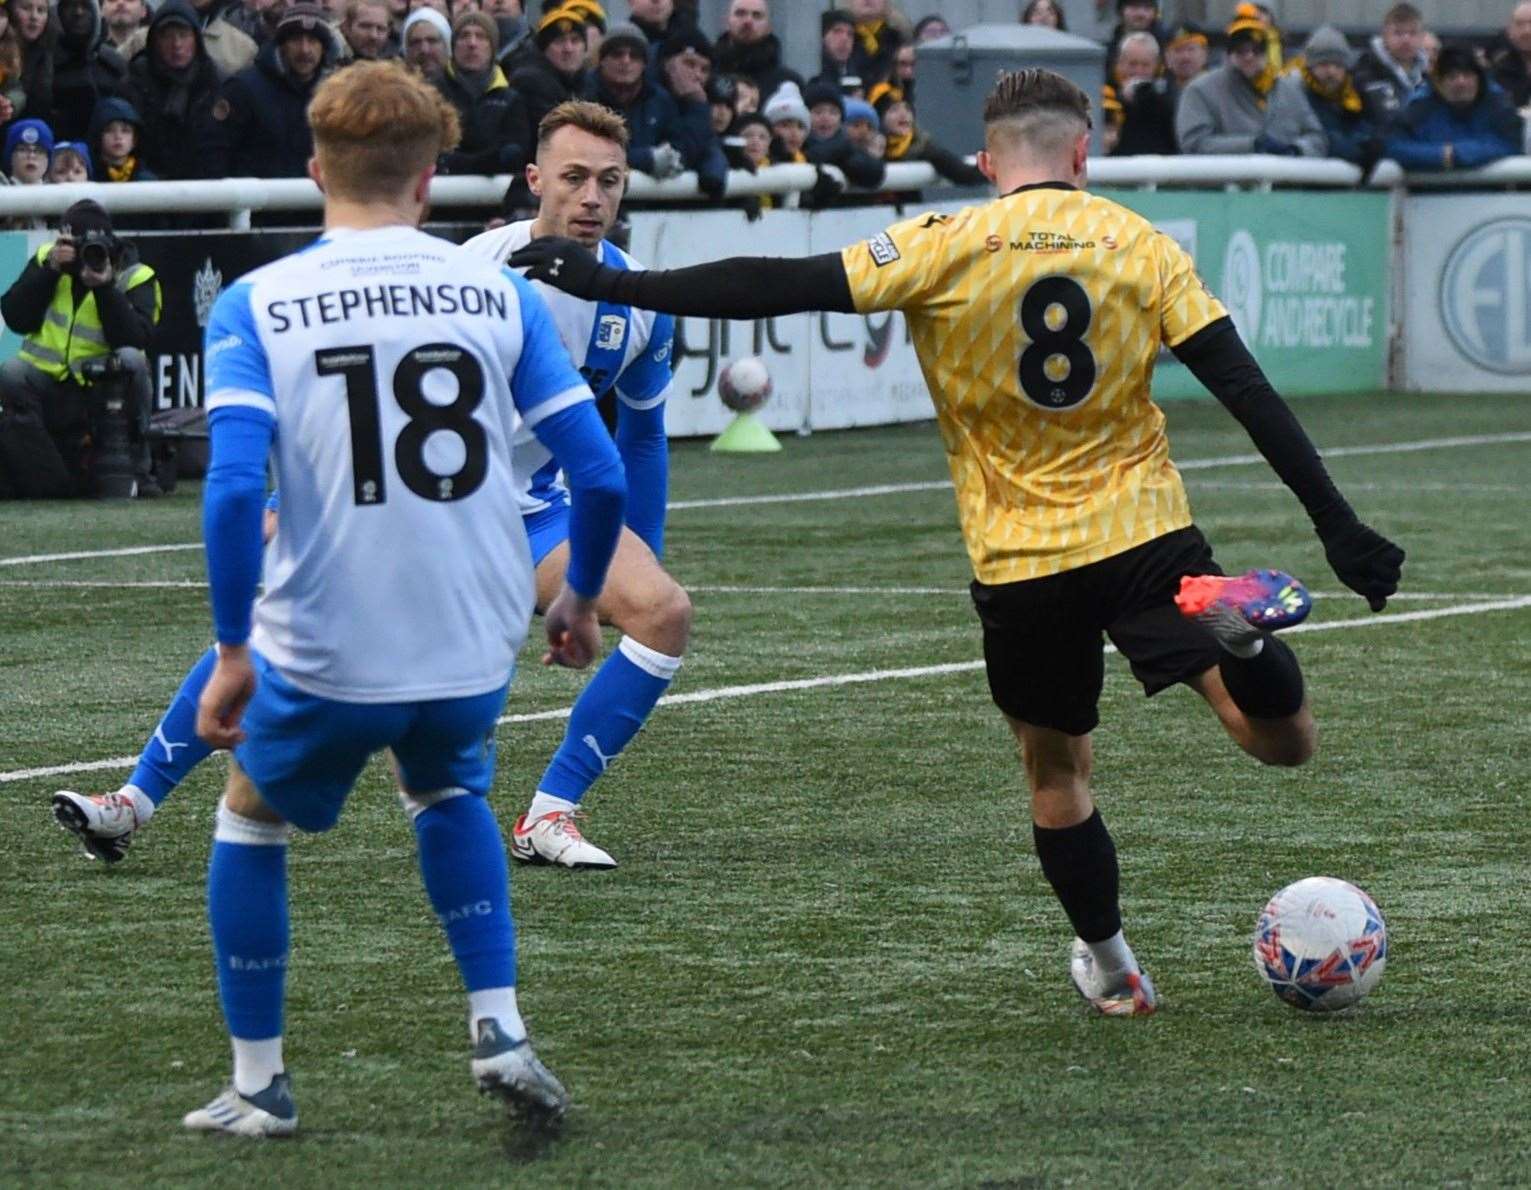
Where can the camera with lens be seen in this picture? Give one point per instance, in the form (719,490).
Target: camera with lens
(96,255)
(111,427)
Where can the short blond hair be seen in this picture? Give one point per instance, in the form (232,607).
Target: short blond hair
(377,127)
(593,118)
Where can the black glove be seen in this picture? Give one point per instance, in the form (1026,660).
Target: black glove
(1365,561)
(567,265)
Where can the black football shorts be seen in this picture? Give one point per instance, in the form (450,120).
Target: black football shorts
(1042,642)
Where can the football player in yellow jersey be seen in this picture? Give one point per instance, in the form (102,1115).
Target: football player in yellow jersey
(1037,318)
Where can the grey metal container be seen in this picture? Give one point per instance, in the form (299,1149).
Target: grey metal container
(953,75)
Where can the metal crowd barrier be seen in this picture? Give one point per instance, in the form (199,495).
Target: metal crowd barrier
(239,198)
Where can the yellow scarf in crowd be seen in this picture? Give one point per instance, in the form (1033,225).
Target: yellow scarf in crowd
(1343,94)
(897,146)
(123,172)
(870,33)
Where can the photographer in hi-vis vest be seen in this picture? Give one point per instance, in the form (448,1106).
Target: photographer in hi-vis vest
(74,403)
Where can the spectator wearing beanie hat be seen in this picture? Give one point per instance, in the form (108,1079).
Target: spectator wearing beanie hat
(230,46)
(828,143)
(1463,120)
(28,151)
(496,136)
(788,116)
(258,127)
(863,126)
(904,140)
(837,42)
(427,41)
(70,162)
(1329,87)
(1224,110)
(684,66)
(174,84)
(558,71)
(594,17)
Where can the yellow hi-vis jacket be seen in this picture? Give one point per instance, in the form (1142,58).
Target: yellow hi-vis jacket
(71,334)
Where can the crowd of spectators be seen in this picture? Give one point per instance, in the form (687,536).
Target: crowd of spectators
(129,90)
(1401,95)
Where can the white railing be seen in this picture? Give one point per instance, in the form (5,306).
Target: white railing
(238,198)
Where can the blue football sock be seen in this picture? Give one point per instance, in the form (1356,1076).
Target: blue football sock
(462,862)
(174,749)
(608,713)
(247,909)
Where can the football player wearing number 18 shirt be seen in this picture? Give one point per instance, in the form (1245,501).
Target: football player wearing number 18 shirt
(385,373)
(1037,318)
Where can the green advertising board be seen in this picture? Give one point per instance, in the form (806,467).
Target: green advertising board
(1304,274)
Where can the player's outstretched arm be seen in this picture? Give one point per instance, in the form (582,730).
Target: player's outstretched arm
(1365,561)
(738,287)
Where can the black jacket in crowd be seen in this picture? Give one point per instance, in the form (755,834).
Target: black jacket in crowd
(173,104)
(85,69)
(1508,69)
(496,136)
(543,88)
(1148,120)
(759,60)
(860,168)
(258,127)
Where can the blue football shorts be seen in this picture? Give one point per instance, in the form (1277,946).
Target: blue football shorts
(304,753)
(549,528)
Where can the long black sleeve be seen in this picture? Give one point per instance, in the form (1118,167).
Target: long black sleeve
(127,319)
(1218,358)
(26,302)
(740,287)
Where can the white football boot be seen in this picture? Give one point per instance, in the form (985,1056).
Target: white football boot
(510,1071)
(103,822)
(1125,993)
(268,1113)
(555,839)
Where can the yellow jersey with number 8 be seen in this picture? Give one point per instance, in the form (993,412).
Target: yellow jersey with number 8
(1037,319)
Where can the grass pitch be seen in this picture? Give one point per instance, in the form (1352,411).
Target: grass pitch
(828,956)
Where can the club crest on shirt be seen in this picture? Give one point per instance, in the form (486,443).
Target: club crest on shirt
(611,332)
(883,249)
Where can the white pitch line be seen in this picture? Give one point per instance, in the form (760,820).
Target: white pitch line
(721,693)
(888,489)
(106,584)
(121,553)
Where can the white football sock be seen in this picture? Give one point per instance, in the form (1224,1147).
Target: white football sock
(499,1003)
(546,803)
(256,1063)
(142,806)
(1113,955)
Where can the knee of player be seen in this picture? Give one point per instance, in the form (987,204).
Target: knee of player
(1291,749)
(658,615)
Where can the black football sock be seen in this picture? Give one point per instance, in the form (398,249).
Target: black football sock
(1080,863)
(1267,685)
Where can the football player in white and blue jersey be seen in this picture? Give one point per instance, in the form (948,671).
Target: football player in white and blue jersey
(579,176)
(386,374)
